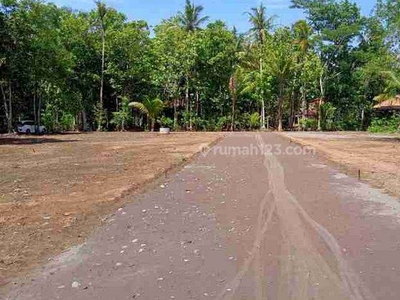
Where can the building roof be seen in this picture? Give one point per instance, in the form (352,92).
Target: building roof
(391,104)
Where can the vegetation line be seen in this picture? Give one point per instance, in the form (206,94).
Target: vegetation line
(67,70)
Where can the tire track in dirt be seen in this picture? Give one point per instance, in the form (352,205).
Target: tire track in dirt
(230,289)
(304,273)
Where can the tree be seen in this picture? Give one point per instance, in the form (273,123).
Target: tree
(101,15)
(255,78)
(259,32)
(151,108)
(123,116)
(304,41)
(190,19)
(281,62)
(261,25)
(338,27)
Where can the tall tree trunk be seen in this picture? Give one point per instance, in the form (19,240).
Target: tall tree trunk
(197,103)
(39,115)
(232,86)
(10,108)
(190,116)
(34,108)
(362,119)
(262,114)
(321,99)
(187,104)
(233,112)
(176,102)
(7,106)
(103,50)
(280,107)
(292,109)
(303,103)
(262,97)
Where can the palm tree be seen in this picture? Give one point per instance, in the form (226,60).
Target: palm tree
(260,23)
(281,64)
(101,14)
(260,27)
(151,108)
(254,78)
(303,39)
(190,18)
(233,80)
(392,86)
(303,33)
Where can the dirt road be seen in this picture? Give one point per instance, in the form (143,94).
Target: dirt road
(238,223)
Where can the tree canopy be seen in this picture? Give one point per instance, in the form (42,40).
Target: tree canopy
(70,69)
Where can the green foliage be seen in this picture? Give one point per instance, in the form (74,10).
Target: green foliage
(60,62)
(190,18)
(151,108)
(100,115)
(385,124)
(254,121)
(122,117)
(309,124)
(223,123)
(167,122)
(49,119)
(67,122)
(328,116)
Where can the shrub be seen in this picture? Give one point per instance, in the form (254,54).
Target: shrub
(254,121)
(223,123)
(385,124)
(49,119)
(167,122)
(122,117)
(67,122)
(328,116)
(309,124)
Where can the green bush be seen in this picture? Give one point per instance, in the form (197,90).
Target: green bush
(309,124)
(223,123)
(254,121)
(167,122)
(385,124)
(49,119)
(328,116)
(122,117)
(67,122)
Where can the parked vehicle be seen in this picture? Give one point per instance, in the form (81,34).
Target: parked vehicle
(29,127)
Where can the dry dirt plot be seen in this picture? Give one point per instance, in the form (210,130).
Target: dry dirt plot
(55,190)
(376,157)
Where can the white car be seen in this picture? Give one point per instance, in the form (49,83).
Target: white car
(29,127)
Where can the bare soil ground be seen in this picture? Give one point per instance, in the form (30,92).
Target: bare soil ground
(55,190)
(376,157)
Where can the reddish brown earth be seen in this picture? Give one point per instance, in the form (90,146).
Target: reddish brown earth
(55,190)
(229,226)
(375,156)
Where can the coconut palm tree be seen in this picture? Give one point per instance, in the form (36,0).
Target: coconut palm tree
(281,62)
(303,36)
(303,39)
(101,14)
(151,108)
(190,18)
(260,23)
(255,78)
(392,86)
